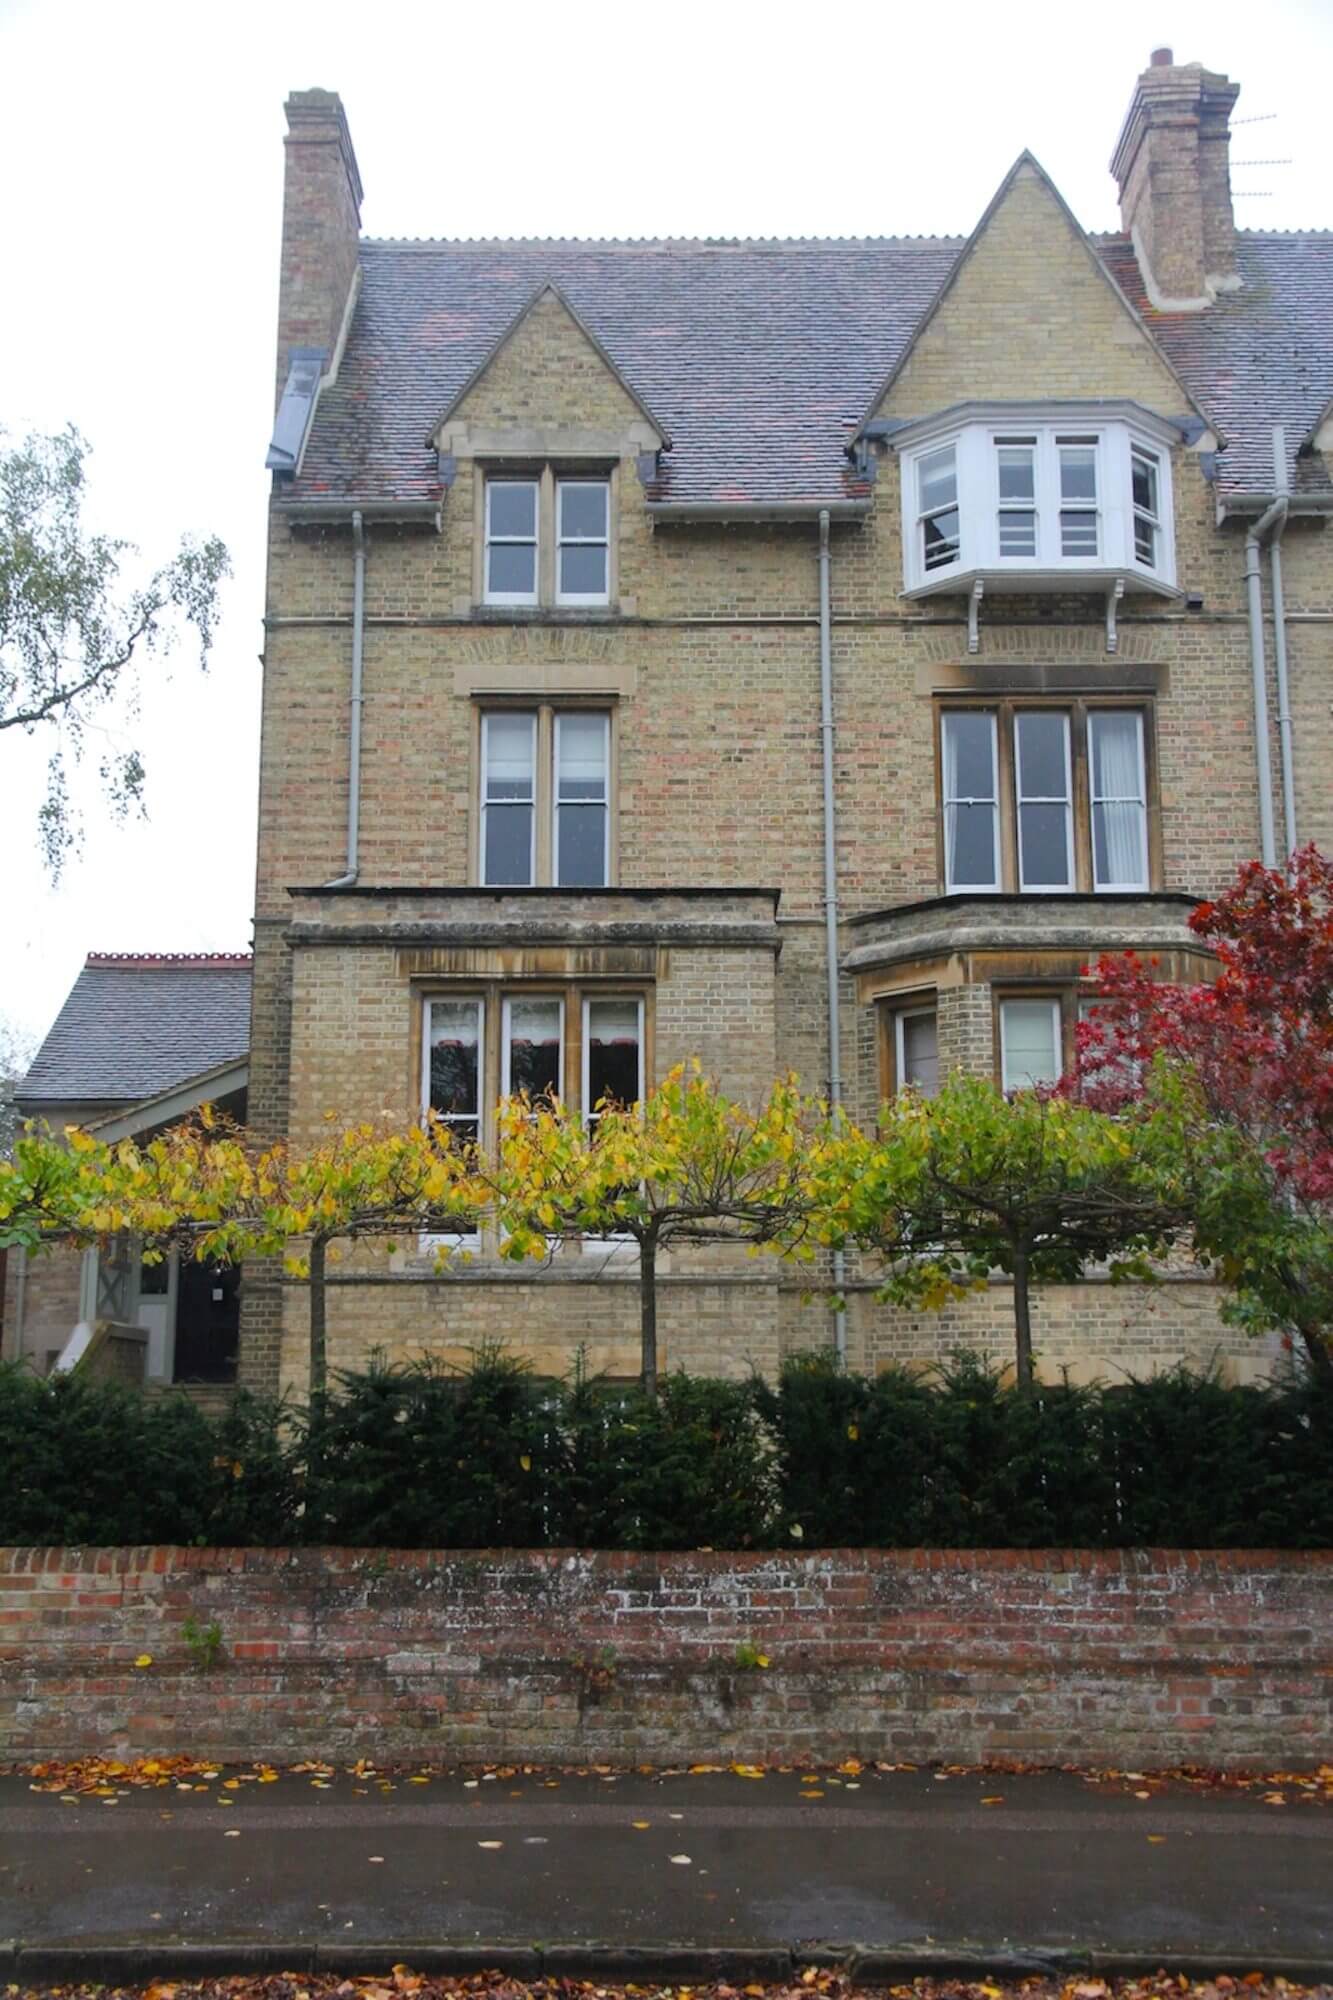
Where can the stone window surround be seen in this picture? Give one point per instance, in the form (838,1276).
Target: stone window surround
(1076,707)
(492,993)
(492,996)
(547,471)
(545,708)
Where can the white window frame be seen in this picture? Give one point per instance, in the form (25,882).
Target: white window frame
(1057,1020)
(562,540)
(1094,800)
(509,714)
(993,887)
(560,715)
(924,513)
(1000,442)
(927,1010)
(1158,462)
(977,439)
(506,1016)
(617,1243)
(532,541)
(1022,798)
(1060,443)
(428,1243)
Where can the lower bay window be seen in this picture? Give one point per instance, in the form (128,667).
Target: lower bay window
(1036,1038)
(1045,797)
(587,1049)
(545,797)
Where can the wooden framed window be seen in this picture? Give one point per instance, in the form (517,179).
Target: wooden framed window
(583,541)
(970,793)
(544,797)
(1032,1041)
(546,540)
(1047,797)
(511,541)
(916,1053)
(532,1046)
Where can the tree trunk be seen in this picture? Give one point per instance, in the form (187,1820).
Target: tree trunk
(648,1315)
(319,1370)
(1318,1351)
(1022,1325)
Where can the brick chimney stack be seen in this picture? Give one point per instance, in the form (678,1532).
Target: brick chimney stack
(1172,163)
(321,226)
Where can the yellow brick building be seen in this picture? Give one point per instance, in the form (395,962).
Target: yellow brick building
(649,623)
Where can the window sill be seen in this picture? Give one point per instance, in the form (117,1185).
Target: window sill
(545,614)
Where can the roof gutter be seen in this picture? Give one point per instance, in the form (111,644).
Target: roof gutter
(348,879)
(334,513)
(752,510)
(831,894)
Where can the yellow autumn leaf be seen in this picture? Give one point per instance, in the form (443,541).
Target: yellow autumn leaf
(144,1660)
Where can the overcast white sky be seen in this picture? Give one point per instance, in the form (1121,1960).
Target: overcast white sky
(141,148)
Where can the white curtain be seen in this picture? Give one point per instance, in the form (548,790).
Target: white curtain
(1118,809)
(509,756)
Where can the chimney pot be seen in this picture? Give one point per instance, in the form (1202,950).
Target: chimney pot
(1162,58)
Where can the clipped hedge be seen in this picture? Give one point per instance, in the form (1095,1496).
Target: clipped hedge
(417,1456)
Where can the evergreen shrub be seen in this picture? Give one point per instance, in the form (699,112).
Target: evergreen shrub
(419,1456)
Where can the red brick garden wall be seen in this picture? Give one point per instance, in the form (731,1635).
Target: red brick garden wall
(1134,1659)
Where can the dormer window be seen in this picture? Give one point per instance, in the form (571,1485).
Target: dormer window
(547,540)
(1071,496)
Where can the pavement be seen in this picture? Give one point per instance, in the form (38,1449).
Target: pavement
(685,1876)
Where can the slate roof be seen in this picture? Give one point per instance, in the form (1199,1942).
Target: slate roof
(760,358)
(134,1026)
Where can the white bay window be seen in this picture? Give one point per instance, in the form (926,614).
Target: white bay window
(1077,497)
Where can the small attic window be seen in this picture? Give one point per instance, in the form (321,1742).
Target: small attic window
(511,541)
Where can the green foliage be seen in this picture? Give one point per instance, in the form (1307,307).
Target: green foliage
(419,1456)
(74,631)
(92,1462)
(688,1469)
(204,1641)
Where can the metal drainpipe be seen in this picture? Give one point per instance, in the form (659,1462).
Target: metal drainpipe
(1254,593)
(830,891)
(20,1302)
(1286,752)
(347,880)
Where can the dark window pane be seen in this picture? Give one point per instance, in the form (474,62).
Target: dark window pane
(453,1060)
(582,837)
(508,857)
(968,759)
(1043,836)
(972,846)
(512,569)
(941,539)
(513,508)
(1041,756)
(583,570)
(613,1073)
(583,510)
(1145,541)
(534,1047)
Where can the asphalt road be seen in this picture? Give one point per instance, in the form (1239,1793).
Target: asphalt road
(890,1860)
